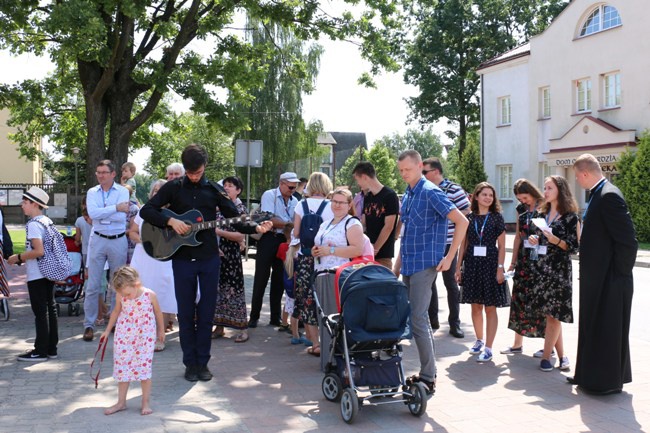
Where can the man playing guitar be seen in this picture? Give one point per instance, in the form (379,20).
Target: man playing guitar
(196,266)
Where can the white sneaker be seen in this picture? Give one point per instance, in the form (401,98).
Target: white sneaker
(485,356)
(565,365)
(540,353)
(476,348)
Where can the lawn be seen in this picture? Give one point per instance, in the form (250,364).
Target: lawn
(18,238)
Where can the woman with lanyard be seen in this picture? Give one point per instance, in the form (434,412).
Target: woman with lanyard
(525,321)
(318,186)
(481,257)
(552,292)
(338,240)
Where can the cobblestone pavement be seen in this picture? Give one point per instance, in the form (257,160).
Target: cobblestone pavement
(267,385)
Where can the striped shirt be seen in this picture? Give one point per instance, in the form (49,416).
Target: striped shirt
(424,215)
(457,195)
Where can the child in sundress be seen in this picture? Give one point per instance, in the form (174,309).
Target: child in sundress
(138,322)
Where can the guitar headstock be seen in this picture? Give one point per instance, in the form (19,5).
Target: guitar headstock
(260,216)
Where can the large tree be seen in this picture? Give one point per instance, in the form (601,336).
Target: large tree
(115,60)
(450,39)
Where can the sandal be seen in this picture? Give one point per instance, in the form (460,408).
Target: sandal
(218,332)
(314,351)
(159,347)
(170,326)
(241,338)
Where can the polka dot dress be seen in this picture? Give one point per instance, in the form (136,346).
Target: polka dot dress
(479,275)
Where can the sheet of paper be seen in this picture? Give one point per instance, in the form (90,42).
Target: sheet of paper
(540,223)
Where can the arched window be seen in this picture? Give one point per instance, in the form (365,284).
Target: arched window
(602,18)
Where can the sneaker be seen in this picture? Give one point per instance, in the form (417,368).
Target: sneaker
(540,353)
(476,348)
(485,356)
(545,365)
(203,373)
(565,365)
(512,350)
(32,356)
(52,355)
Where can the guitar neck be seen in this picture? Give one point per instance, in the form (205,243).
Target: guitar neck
(219,223)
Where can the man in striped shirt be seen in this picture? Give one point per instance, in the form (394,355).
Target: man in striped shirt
(432,170)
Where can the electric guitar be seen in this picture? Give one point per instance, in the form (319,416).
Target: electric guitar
(161,243)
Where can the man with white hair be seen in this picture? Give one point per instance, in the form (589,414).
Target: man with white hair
(174,171)
(281,202)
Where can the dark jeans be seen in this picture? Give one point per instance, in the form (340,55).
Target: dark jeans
(195,320)
(453,294)
(267,265)
(41,296)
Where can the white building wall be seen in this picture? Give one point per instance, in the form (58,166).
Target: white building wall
(558,57)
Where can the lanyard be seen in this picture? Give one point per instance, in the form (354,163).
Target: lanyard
(553,220)
(480,235)
(105,197)
(102,348)
(591,196)
(326,231)
(286,206)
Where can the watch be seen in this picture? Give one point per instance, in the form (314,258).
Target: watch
(332,250)
(500,266)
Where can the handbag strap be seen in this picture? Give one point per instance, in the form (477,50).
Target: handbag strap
(101,348)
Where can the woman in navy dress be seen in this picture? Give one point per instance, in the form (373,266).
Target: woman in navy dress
(482,277)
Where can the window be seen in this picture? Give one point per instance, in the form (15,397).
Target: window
(602,18)
(612,90)
(583,95)
(545,102)
(504,111)
(505,181)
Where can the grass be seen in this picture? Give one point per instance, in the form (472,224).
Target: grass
(18,238)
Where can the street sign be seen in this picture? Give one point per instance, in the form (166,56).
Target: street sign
(248,153)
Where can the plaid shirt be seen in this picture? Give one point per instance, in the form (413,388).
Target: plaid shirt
(424,215)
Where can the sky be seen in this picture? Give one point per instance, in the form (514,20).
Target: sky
(338,101)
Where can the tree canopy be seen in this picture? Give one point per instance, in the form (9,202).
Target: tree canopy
(116,61)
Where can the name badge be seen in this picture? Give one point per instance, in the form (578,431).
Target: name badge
(541,250)
(480,251)
(105,222)
(527,244)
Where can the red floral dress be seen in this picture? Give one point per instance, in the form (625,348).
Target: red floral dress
(134,340)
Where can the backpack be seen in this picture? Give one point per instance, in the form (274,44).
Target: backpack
(310,224)
(55,264)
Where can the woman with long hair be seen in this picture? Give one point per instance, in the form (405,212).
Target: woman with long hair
(525,321)
(552,291)
(481,257)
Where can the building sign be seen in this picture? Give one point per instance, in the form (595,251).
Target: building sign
(610,159)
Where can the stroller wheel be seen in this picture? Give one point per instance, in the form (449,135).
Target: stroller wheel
(70,309)
(58,309)
(332,387)
(77,309)
(417,403)
(349,405)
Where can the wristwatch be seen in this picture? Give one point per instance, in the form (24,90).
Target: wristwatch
(332,250)
(500,266)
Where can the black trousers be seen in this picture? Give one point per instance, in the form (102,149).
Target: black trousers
(267,265)
(453,294)
(41,296)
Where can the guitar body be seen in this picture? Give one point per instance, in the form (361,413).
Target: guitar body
(162,243)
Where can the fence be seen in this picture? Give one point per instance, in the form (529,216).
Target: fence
(63,207)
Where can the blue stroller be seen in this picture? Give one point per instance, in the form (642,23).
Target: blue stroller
(364,363)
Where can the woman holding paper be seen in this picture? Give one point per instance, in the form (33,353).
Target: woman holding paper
(557,238)
(481,257)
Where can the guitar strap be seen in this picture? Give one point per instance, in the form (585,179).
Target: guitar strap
(219,189)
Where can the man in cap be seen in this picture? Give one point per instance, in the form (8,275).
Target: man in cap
(41,290)
(281,202)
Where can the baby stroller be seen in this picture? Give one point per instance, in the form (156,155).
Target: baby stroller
(71,290)
(364,364)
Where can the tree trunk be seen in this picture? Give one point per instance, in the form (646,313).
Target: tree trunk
(120,134)
(96,117)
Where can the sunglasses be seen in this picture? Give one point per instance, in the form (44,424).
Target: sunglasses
(291,187)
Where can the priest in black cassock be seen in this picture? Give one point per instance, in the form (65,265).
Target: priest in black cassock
(608,248)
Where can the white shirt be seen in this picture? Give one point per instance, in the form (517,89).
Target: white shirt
(272,201)
(102,209)
(35,230)
(333,235)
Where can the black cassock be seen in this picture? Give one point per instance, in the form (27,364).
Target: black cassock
(608,250)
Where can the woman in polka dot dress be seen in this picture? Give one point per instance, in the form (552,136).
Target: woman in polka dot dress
(138,324)
(482,278)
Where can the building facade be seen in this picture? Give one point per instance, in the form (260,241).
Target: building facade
(579,87)
(15,169)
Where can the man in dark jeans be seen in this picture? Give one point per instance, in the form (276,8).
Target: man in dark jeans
(432,170)
(281,202)
(199,265)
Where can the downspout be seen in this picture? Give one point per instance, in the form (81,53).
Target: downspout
(482,124)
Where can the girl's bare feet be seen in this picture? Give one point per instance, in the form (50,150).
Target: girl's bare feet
(146,410)
(117,407)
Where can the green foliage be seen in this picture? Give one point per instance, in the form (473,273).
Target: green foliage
(344,176)
(450,39)
(424,141)
(633,182)
(116,60)
(470,170)
(143,184)
(451,163)
(384,163)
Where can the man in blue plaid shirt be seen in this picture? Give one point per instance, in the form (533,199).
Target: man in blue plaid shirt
(424,214)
